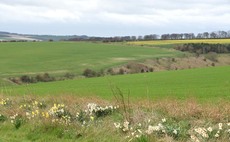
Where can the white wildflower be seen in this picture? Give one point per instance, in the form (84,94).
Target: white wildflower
(117,125)
(193,137)
(160,126)
(175,132)
(163,120)
(132,133)
(209,129)
(220,126)
(126,126)
(217,135)
(139,124)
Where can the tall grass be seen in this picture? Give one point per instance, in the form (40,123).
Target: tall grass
(177,120)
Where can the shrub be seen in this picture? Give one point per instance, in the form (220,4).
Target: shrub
(44,78)
(25,79)
(212,56)
(69,75)
(121,71)
(151,69)
(111,71)
(89,73)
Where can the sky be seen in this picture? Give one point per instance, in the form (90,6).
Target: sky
(113,17)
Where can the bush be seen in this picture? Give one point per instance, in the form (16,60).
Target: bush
(89,73)
(121,71)
(44,78)
(69,75)
(25,79)
(212,56)
(151,69)
(111,71)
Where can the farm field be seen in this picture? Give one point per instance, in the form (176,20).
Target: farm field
(30,58)
(212,83)
(156,106)
(163,106)
(169,43)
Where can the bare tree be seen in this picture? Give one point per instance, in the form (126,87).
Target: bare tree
(205,35)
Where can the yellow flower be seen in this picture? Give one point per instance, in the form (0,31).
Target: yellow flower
(35,102)
(47,115)
(92,118)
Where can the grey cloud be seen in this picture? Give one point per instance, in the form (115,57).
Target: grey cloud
(126,15)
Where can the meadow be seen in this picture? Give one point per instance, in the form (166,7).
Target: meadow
(30,58)
(203,83)
(180,105)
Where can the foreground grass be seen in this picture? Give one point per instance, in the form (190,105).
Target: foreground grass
(205,84)
(64,118)
(31,58)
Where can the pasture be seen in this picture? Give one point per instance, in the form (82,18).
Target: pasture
(179,105)
(205,84)
(55,58)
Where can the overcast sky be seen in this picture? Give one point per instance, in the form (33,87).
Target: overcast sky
(113,17)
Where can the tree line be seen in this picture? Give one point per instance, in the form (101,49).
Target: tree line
(173,36)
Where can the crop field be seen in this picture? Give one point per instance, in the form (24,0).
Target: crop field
(212,83)
(186,105)
(179,105)
(17,59)
(168,43)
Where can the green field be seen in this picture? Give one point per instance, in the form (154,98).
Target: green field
(203,84)
(28,58)
(57,58)
(57,111)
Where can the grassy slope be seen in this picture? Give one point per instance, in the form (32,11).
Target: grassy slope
(62,57)
(212,83)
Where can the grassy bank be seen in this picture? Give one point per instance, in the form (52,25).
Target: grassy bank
(204,84)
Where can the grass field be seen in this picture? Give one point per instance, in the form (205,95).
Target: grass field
(212,83)
(61,57)
(169,43)
(180,105)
